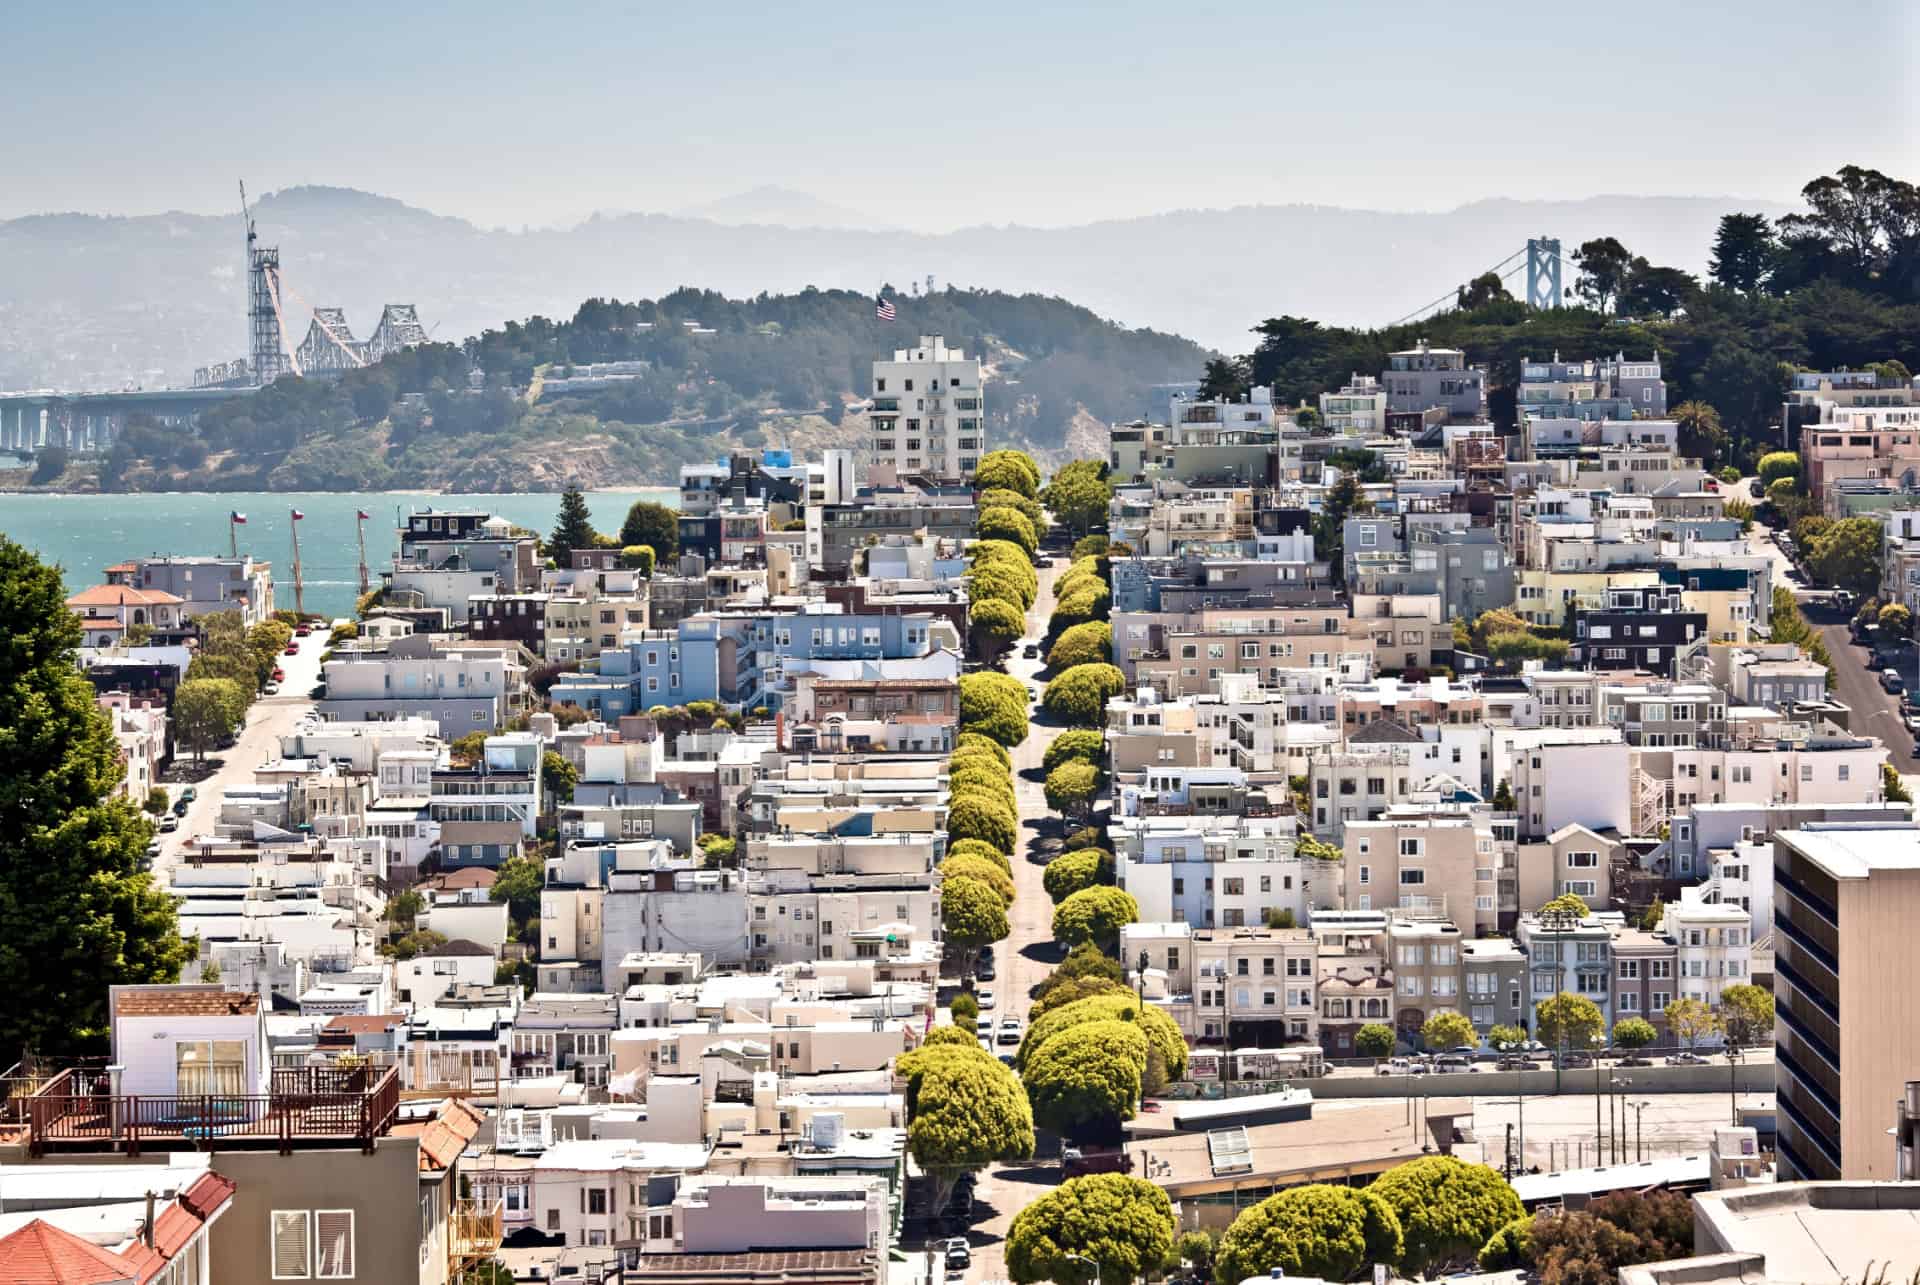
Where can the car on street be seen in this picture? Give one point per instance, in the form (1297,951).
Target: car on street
(955,1254)
(983,1027)
(169,823)
(984,998)
(293,649)
(1686,1058)
(1452,1062)
(1392,1066)
(1009,1030)
(1031,651)
(1575,1059)
(271,689)
(302,631)
(1890,681)
(983,971)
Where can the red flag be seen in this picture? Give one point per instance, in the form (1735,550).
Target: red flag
(237,518)
(297,515)
(363,515)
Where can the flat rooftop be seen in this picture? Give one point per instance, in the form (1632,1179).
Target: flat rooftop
(1854,852)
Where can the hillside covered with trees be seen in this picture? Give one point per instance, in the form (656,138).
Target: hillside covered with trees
(721,373)
(1837,286)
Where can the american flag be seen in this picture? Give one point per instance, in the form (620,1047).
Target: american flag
(884,310)
(237,518)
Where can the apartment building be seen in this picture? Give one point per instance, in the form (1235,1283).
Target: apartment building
(1713,942)
(1844,1039)
(1493,983)
(203,586)
(1644,976)
(456,693)
(1568,955)
(1354,979)
(926,417)
(1187,654)
(1427,971)
(1221,871)
(1427,378)
(1248,987)
(1359,406)
(1442,866)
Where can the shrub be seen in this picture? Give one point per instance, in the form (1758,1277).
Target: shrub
(1507,1248)
(1083,644)
(1088,836)
(1447,1208)
(1374,1040)
(1070,872)
(1316,1230)
(1080,695)
(1081,743)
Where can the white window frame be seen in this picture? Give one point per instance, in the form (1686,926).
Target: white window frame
(352,1246)
(273,1244)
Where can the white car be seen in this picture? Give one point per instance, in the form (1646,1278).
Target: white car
(983,1027)
(984,998)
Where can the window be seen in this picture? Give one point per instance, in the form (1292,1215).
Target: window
(1410,847)
(1583,860)
(596,1200)
(333,1244)
(210,1066)
(1660,969)
(1629,1001)
(292,1232)
(1581,887)
(1412,878)
(1629,970)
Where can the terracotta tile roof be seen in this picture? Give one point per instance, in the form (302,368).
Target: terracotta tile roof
(185,1001)
(99,622)
(208,1192)
(178,1223)
(456,880)
(42,1254)
(445,1136)
(362,1023)
(121,595)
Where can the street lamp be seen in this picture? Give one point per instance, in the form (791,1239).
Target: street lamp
(1093,1263)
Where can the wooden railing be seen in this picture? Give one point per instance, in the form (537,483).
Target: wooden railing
(77,1111)
(474,1231)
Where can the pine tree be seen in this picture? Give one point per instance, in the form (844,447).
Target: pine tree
(572,529)
(78,912)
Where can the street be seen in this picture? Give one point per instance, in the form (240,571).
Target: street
(268,718)
(1029,953)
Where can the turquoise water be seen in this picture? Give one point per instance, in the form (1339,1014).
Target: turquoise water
(87,533)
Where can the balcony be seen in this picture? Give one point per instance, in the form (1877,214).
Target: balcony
(306,1107)
(473,1233)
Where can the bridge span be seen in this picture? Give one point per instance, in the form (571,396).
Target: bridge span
(39,418)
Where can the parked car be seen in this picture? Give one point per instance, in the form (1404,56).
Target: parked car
(293,649)
(1686,1057)
(1075,1161)
(1009,1030)
(983,1027)
(180,805)
(1516,1062)
(1392,1066)
(1890,681)
(271,689)
(1452,1062)
(957,1255)
(984,998)
(302,631)
(169,823)
(983,971)
(1576,1059)
(1031,651)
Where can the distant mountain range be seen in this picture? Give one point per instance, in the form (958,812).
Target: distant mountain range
(92,301)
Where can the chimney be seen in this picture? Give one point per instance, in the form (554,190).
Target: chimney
(146,1231)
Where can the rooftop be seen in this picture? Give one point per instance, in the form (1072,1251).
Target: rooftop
(184,1001)
(1857,851)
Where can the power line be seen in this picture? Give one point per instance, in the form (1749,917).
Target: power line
(1454,293)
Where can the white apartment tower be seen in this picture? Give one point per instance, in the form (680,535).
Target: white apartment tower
(926,412)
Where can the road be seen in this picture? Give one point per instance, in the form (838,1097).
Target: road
(1029,953)
(268,719)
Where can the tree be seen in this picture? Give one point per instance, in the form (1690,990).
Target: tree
(1079,495)
(994,705)
(557,778)
(1080,695)
(1009,525)
(1447,1208)
(1088,1074)
(404,907)
(1482,290)
(1087,836)
(1447,1029)
(1633,1033)
(994,876)
(1343,499)
(1090,546)
(1308,848)
(1688,1019)
(965,1110)
(956,1036)
(1090,643)
(1096,915)
(1014,470)
(977,816)
(1085,962)
(1567,905)
(974,742)
(468,748)
(1775,465)
(966,1010)
(654,525)
(719,851)
(972,914)
(1896,620)
(1071,787)
(1847,555)
(1001,497)
(1072,991)
(1120,1006)
(1743,251)
(1070,872)
(1122,1224)
(1503,800)
(1604,268)
(1318,1230)
(1568,1021)
(1195,1249)
(1656,911)
(638,557)
(205,710)
(992,582)
(1508,1248)
(1374,1040)
(1078,607)
(1700,432)
(1224,379)
(1746,1015)
(573,528)
(156,802)
(1082,744)
(1892,788)
(1503,1036)
(48,465)
(995,623)
(518,882)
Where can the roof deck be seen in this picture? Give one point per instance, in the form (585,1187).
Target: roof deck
(305,1108)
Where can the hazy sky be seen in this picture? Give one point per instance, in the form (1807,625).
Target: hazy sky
(936,116)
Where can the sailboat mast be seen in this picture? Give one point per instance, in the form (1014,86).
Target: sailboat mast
(299,600)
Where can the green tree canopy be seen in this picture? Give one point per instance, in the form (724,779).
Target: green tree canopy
(205,710)
(965,1111)
(1508,1248)
(995,706)
(1090,546)
(1701,434)
(1084,744)
(1078,495)
(1084,644)
(1568,1020)
(975,742)
(982,817)
(639,557)
(1072,786)
(1071,991)
(972,913)
(573,528)
(1503,1036)
(1633,1033)
(996,621)
(1320,1230)
(1000,497)
(1088,1074)
(654,525)
(1094,915)
(1084,962)
(78,911)
(1087,836)
(995,582)
(1375,1039)
(987,872)
(1123,1224)
(1896,619)
(1775,465)
(1447,1029)
(1567,904)
(1069,872)
(557,778)
(1447,1208)
(976,848)
(518,882)
(1014,470)
(1079,696)
(1742,252)
(1078,607)
(965,1009)
(1847,555)
(1009,525)
(1161,1031)
(1746,1015)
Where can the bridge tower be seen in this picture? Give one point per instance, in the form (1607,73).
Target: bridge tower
(263,310)
(1543,272)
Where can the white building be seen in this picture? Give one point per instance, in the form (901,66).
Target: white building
(927,417)
(1714,944)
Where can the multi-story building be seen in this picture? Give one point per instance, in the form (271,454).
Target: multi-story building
(1422,865)
(1494,983)
(1426,378)
(927,416)
(1642,628)
(1360,406)
(1713,942)
(1844,1038)
(456,693)
(1244,987)
(1569,955)
(1427,970)
(203,586)
(1220,871)
(1643,976)
(1355,975)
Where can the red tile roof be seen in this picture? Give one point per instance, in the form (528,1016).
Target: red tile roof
(444,1137)
(120,595)
(186,1001)
(42,1254)
(362,1023)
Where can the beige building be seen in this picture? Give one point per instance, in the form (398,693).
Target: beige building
(1246,987)
(1445,866)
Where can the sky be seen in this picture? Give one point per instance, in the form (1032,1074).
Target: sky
(1045,114)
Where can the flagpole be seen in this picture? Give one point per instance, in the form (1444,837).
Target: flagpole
(360,530)
(299,600)
(233,536)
